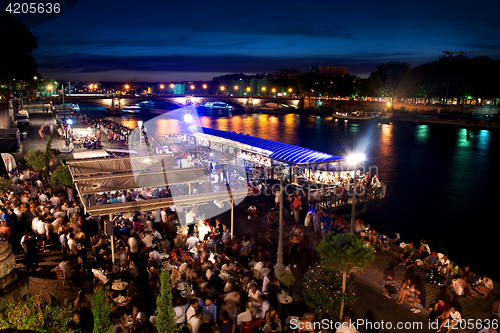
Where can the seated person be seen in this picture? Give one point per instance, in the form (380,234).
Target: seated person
(388,285)
(450,319)
(431,261)
(384,242)
(424,249)
(418,302)
(485,286)
(406,290)
(408,255)
(373,237)
(439,310)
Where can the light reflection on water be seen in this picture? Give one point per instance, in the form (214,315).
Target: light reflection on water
(442,183)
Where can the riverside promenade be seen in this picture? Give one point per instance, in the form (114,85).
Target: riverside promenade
(371,306)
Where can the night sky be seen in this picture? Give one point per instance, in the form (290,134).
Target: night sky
(197,40)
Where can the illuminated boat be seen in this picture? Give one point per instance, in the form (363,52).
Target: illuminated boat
(217,105)
(356,115)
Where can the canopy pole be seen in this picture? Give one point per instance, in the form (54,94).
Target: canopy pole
(232,219)
(112,243)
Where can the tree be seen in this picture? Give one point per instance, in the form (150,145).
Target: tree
(391,78)
(35,159)
(61,176)
(101,309)
(34,313)
(17,44)
(343,252)
(48,154)
(322,292)
(165,314)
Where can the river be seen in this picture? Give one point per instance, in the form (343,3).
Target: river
(441,179)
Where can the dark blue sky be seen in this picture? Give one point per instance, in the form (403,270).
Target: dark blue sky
(197,40)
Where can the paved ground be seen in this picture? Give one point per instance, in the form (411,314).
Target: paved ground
(371,306)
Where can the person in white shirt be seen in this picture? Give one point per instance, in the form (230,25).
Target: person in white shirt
(147,239)
(73,248)
(191,310)
(254,293)
(453,317)
(244,316)
(55,200)
(190,217)
(133,244)
(192,242)
(195,322)
(43,198)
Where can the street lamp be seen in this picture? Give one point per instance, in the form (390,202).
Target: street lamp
(140,135)
(279,269)
(248,89)
(354,160)
(192,87)
(162,86)
(204,86)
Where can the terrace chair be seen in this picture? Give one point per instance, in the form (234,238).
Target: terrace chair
(255,273)
(61,278)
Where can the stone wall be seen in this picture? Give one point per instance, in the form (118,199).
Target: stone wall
(8,111)
(13,283)
(407,107)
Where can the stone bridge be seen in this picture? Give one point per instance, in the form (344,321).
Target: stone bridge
(115,104)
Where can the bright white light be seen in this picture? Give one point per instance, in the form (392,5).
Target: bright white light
(354,159)
(211,154)
(139,123)
(188,118)
(69,121)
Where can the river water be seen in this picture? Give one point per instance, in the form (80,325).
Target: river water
(441,181)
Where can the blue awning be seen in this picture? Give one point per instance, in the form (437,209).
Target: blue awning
(279,151)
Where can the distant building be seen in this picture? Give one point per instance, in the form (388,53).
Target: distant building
(333,70)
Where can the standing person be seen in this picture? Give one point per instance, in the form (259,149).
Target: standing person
(29,244)
(317,218)
(296,208)
(326,223)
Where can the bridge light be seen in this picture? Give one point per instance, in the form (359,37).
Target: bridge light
(162,86)
(204,86)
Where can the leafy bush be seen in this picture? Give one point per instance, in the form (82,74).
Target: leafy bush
(35,159)
(101,309)
(165,314)
(323,292)
(61,176)
(287,279)
(35,313)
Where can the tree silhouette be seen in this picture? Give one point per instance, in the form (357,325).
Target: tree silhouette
(392,79)
(17,44)
(343,252)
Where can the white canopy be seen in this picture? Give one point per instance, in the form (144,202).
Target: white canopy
(123,164)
